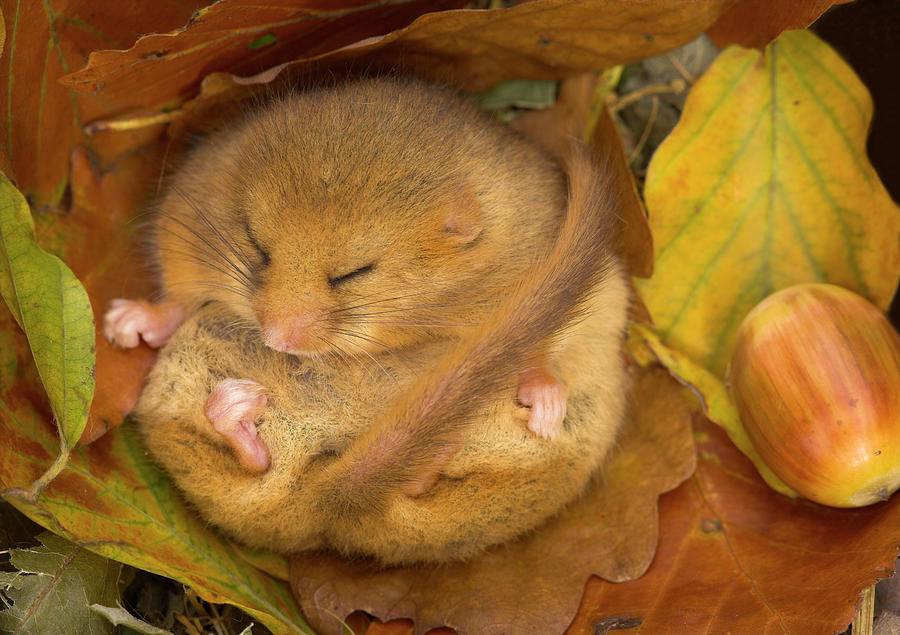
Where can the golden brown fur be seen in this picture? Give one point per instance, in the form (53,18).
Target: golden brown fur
(325,182)
(443,221)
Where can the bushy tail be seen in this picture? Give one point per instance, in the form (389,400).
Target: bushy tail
(405,449)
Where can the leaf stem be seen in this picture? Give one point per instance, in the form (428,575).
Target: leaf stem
(865,614)
(52,472)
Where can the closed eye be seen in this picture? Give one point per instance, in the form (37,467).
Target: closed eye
(263,253)
(339,280)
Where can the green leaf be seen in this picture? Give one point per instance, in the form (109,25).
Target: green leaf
(518,93)
(53,309)
(112,497)
(53,588)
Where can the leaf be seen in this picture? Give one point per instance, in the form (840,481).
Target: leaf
(755,23)
(611,532)
(120,617)
(764,183)
(112,498)
(549,39)
(53,588)
(103,247)
(714,398)
(475,49)
(53,309)
(519,94)
(44,41)
(734,556)
(164,69)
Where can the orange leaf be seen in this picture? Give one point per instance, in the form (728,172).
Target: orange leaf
(755,23)
(44,41)
(736,557)
(239,37)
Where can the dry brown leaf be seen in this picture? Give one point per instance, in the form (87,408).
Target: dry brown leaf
(734,556)
(755,23)
(44,41)
(535,583)
(549,39)
(469,48)
(239,37)
(106,258)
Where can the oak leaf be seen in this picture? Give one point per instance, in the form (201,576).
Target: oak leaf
(735,556)
(238,37)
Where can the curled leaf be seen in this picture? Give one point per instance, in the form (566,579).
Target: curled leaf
(53,309)
(755,23)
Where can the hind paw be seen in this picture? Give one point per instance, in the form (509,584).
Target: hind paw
(544,394)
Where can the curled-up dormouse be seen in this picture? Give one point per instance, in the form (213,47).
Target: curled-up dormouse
(394,325)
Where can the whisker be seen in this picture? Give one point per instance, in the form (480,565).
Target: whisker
(245,279)
(381,300)
(344,355)
(209,264)
(367,353)
(216,230)
(421,307)
(416,324)
(360,336)
(206,241)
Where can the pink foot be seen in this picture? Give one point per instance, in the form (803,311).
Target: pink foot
(128,321)
(540,390)
(233,407)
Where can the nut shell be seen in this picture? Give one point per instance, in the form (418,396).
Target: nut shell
(816,379)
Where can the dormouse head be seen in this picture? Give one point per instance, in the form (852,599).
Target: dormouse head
(358,274)
(360,218)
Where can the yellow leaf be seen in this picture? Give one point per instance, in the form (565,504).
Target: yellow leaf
(765,183)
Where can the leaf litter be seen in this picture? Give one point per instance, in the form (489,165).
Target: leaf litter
(26,419)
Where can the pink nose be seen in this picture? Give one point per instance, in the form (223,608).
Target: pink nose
(291,334)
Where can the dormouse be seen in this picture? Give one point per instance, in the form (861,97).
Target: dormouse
(387,229)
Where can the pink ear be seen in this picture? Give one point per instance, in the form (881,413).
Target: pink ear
(463,214)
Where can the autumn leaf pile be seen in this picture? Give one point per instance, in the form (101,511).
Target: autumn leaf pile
(763,183)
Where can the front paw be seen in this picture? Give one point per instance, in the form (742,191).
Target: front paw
(128,321)
(544,394)
(232,408)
